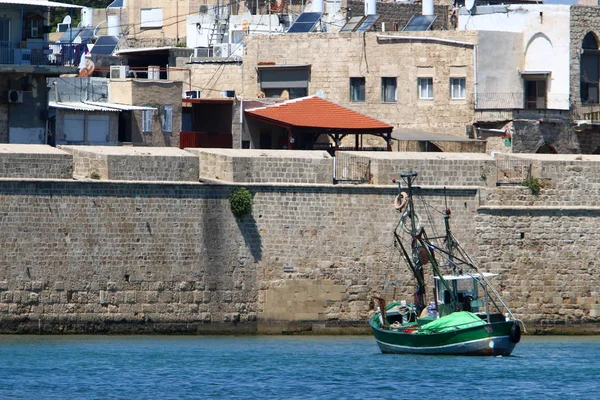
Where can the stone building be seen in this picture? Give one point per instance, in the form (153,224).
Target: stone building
(141,112)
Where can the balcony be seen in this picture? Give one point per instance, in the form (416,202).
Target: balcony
(16,55)
(498,106)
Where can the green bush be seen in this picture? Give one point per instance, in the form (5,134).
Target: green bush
(533,184)
(240,201)
(94,175)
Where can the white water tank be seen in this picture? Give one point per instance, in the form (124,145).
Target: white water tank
(428,7)
(317,6)
(371,7)
(87,17)
(114,22)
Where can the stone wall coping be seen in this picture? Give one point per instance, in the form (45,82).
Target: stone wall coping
(130,151)
(253,153)
(540,208)
(31,149)
(392,155)
(80,179)
(365,187)
(553,157)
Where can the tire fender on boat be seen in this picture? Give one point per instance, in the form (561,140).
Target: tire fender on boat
(515,333)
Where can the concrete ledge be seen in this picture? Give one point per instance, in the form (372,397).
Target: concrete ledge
(35,162)
(262,166)
(133,163)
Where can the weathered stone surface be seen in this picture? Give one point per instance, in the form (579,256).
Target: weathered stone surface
(115,257)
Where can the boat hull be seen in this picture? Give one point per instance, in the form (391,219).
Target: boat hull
(486,340)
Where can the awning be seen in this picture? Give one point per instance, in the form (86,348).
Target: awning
(122,107)
(315,113)
(282,66)
(79,106)
(40,3)
(419,136)
(535,75)
(143,50)
(97,106)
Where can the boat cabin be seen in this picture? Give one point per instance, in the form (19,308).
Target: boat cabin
(466,288)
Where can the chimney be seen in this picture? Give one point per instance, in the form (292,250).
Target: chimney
(370,7)
(428,7)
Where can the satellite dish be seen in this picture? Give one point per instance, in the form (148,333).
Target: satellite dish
(469,4)
(320,94)
(67,19)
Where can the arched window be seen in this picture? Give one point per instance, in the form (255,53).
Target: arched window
(589,69)
(546,149)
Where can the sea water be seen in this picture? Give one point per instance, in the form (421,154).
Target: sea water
(287,367)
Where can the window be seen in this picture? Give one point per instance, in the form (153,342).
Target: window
(4,29)
(457,88)
(357,89)
(167,118)
(147,121)
(151,18)
(284,82)
(35,29)
(388,90)
(426,88)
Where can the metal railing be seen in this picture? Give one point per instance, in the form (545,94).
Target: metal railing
(351,169)
(518,100)
(39,53)
(512,171)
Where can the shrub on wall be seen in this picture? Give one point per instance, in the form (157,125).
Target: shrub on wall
(533,184)
(240,201)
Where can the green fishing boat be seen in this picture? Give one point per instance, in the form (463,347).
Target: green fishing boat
(465,315)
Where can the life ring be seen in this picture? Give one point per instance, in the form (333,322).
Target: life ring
(399,205)
(88,69)
(418,224)
(515,333)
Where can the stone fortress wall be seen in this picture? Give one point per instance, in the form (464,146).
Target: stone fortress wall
(146,252)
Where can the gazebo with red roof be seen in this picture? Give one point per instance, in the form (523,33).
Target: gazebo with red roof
(313,116)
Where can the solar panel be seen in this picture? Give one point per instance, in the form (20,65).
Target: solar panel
(420,23)
(69,35)
(86,35)
(305,22)
(352,24)
(105,45)
(116,4)
(368,23)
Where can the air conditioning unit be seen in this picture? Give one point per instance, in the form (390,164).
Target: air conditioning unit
(22,56)
(119,71)
(228,94)
(15,96)
(192,94)
(201,52)
(221,50)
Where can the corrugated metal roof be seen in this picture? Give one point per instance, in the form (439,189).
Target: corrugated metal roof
(145,50)
(97,106)
(40,3)
(79,106)
(122,107)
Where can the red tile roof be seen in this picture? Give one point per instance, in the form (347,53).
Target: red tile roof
(315,112)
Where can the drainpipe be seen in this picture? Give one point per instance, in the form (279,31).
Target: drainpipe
(443,41)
